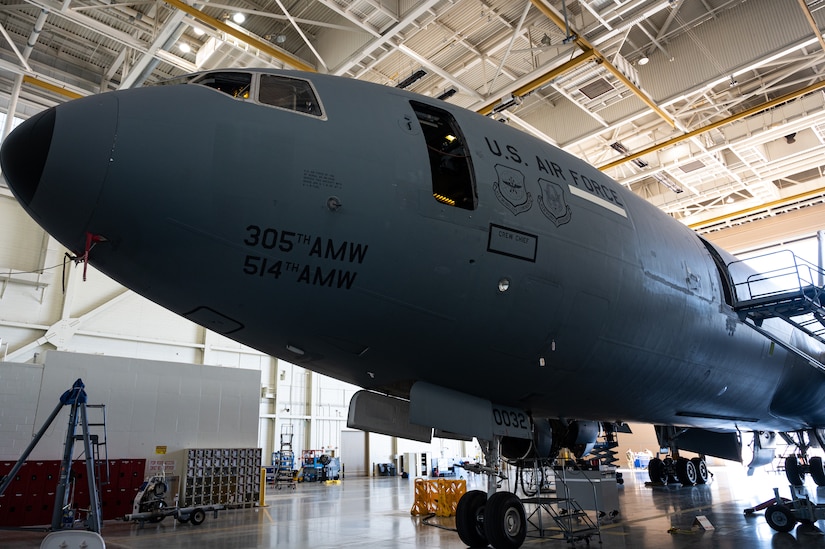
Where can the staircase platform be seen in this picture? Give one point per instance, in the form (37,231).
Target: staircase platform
(792,290)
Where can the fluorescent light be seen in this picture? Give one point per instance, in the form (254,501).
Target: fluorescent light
(414,77)
(665,180)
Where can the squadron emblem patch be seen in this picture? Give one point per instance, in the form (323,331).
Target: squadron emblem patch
(552,203)
(510,190)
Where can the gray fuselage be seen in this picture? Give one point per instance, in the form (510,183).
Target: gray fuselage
(318,240)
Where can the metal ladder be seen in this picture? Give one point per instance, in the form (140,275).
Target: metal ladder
(568,520)
(792,289)
(286,460)
(75,399)
(97,440)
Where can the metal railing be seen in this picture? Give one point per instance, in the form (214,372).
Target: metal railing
(787,278)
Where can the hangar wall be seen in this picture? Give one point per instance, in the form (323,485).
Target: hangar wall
(148,405)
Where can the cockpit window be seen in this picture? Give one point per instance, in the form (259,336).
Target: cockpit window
(288,93)
(236,84)
(282,92)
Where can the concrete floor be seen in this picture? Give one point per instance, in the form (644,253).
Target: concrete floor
(375,512)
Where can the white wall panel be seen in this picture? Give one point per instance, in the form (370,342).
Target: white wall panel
(90,294)
(148,403)
(137,316)
(119,347)
(353,453)
(21,239)
(18,383)
(380,450)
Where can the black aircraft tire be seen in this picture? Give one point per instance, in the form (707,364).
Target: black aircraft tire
(469,518)
(780,518)
(793,471)
(701,470)
(686,472)
(817,470)
(504,521)
(656,471)
(197,516)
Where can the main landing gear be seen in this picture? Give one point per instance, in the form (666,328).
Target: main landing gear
(492,518)
(798,465)
(687,472)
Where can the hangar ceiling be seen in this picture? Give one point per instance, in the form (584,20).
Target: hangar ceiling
(710,109)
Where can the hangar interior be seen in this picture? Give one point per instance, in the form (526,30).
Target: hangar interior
(710,109)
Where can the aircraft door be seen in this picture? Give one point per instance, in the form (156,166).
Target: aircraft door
(451,169)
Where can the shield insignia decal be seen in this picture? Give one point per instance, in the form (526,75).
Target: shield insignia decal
(511,191)
(552,203)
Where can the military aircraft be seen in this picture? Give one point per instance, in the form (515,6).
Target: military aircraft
(469,277)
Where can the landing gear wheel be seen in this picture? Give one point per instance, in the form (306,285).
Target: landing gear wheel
(656,471)
(504,521)
(794,471)
(686,472)
(469,518)
(198,516)
(701,470)
(780,518)
(817,470)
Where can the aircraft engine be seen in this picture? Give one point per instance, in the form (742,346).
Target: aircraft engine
(581,437)
(550,436)
(539,447)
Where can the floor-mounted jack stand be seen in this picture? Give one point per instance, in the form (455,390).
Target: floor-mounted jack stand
(76,399)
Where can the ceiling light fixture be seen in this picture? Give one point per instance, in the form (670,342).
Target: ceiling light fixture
(507,103)
(184,47)
(447,94)
(619,148)
(644,60)
(414,77)
(239,18)
(665,180)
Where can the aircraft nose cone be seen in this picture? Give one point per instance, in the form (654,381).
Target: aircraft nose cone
(56,164)
(24,153)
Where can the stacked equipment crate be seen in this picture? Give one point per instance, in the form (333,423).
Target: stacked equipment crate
(226,476)
(29,499)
